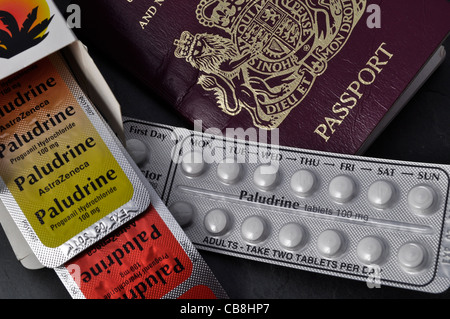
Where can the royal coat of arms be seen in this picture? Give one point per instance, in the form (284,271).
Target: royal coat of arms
(265,55)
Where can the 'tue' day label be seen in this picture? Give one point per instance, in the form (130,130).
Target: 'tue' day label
(52,159)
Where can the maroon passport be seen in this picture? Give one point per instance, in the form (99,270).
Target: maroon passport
(328,74)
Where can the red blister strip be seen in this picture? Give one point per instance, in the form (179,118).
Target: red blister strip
(142,260)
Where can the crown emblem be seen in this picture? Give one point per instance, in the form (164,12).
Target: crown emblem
(219,13)
(184,45)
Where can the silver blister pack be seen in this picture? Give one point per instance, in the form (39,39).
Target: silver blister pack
(374,220)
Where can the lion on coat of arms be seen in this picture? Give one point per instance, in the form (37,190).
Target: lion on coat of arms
(265,55)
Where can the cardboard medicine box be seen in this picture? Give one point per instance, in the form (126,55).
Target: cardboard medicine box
(29,32)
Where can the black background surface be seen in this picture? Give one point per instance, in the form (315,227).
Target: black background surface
(421,132)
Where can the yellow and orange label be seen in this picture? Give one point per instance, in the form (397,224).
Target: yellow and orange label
(53,160)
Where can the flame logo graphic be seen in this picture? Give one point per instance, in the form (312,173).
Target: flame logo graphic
(23,24)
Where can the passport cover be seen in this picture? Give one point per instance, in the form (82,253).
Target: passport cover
(324,74)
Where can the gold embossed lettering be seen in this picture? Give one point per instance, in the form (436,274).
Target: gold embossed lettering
(355,91)
(150,13)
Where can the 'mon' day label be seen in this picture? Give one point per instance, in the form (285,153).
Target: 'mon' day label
(53,161)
